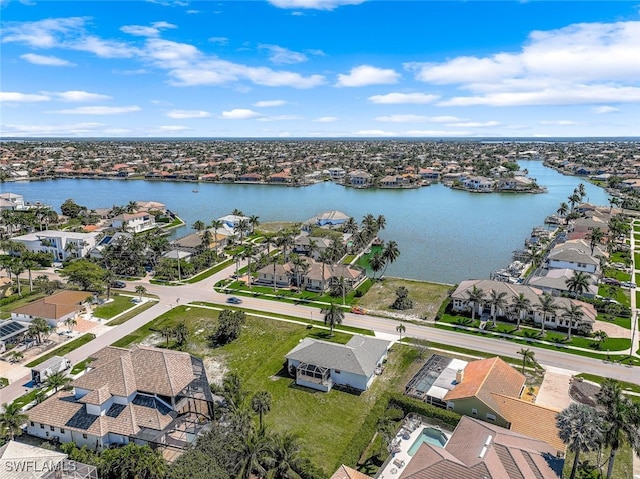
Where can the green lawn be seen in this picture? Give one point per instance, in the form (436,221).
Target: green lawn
(7,308)
(325,422)
(209,272)
(622,295)
(132,313)
(64,349)
(622,467)
(119,304)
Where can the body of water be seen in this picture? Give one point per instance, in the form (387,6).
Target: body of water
(444,235)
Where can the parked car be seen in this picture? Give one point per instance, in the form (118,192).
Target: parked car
(234,300)
(611,281)
(629,284)
(118,284)
(358,310)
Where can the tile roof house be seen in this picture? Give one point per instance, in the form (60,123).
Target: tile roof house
(477,450)
(55,308)
(142,394)
(345,472)
(321,364)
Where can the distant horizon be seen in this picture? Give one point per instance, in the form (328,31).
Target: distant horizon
(319,69)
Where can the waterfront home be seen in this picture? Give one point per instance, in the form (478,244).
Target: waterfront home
(302,245)
(359,178)
(62,244)
(231,221)
(516,183)
(11,201)
(326,219)
(134,222)
(250,177)
(321,365)
(477,450)
(146,206)
(97,251)
(55,309)
(575,255)
(555,282)
(479,183)
(393,181)
(336,173)
(144,395)
(429,174)
(460,303)
(282,177)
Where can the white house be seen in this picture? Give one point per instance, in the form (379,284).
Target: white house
(62,244)
(575,255)
(320,364)
(134,222)
(55,309)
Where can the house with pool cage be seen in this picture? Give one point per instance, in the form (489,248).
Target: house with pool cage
(144,395)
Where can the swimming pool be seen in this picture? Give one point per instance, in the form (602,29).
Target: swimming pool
(430,435)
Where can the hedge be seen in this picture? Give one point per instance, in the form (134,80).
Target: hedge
(410,405)
(15,297)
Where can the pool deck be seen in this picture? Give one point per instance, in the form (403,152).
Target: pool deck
(402,443)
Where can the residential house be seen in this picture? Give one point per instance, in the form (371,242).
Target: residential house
(515,183)
(346,472)
(134,222)
(12,332)
(359,178)
(283,275)
(575,255)
(19,460)
(328,219)
(321,365)
(429,174)
(555,282)
(231,221)
(11,201)
(460,302)
(250,177)
(477,450)
(393,181)
(144,395)
(336,173)
(62,244)
(56,309)
(281,177)
(479,183)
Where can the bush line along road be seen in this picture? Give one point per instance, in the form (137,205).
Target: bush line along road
(171,296)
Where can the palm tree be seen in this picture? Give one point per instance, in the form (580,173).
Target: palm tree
(574,315)
(401,328)
(390,254)
(600,336)
(386,428)
(237,212)
(333,315)
(547,306)
(140,290)
(131,207)
(563,209)
(285,460)
(520,304)
(166,332)
(29,264)
(57,380)
(376,262)
(381,222)
(497,302)
(242,227)
(578,283)
(39,326)
(249,251)
(199,225)
(254,221)
(261,405)
(475,297)
(274,260)
(11,420)
(17,268)
(621,420)
(253,454)
(528,356)
(350,226)
(579,427)
(595,237)
(324,259)
(573,200)
(70,323)
(181,333)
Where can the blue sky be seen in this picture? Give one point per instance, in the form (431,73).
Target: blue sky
(319,68)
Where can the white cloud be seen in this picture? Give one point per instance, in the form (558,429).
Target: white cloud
(281,118)
(173,128)
(74,129)
(559,122)
(418,119)
(46,60)
(41,33)
(77,95)
(15,96)
(601,110)
(326,119)
(184,114)
(219,40)
(314,4)
(569,94)
(364,75)
(239,114)
(399,98)
(142,31)
(267,103)
(281,55)
(98,110)
(475,124)
(416,133)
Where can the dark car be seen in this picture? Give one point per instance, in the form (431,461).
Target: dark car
(118,284)
(234,300)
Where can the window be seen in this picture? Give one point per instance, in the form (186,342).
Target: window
(491,417)
(32,423)
(41,426)
(450,405)
(474,411)
(51,428)
(61,431)
(337,371)
(84,436)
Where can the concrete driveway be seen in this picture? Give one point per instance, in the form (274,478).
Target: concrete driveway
(554,391)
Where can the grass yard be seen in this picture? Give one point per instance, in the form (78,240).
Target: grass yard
(426,297)
(622,295)
(119,304)
(209,272)
(326,422)
(130,314)
(622,467)
(7,308)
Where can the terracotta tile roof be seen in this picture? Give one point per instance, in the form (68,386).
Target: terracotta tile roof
(530,419)
(97,396)
(55,306)
(345,472)
(486,376)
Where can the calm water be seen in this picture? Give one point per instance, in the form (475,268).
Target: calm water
(443,235)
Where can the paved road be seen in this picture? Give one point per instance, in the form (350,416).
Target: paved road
(203,291)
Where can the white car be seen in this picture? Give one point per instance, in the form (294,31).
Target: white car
(68,333)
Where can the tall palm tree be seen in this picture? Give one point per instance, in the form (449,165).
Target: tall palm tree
(579,427)
(350,226)
(578,283)
(249,251)
(11,420)
(390,254)
(181,333)
(497,302)
(595,238)
(274,260)
(261,405)
(140,290)
(57,380)
(401,328)
(376,262)
(39,326)
(381,222)
(324,259)
(574,315)
(573,200)
(520,304)
(528,356)
(29,264)
(70,323)
(17,268)
(285,460)
(252,456)
(547,306)
(563,209)
(475,298)
(254,221)
(333,315)
(621,419)
(242,228)
(600,336)
(199,225)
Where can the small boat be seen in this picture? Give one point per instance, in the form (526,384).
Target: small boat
(194,191)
